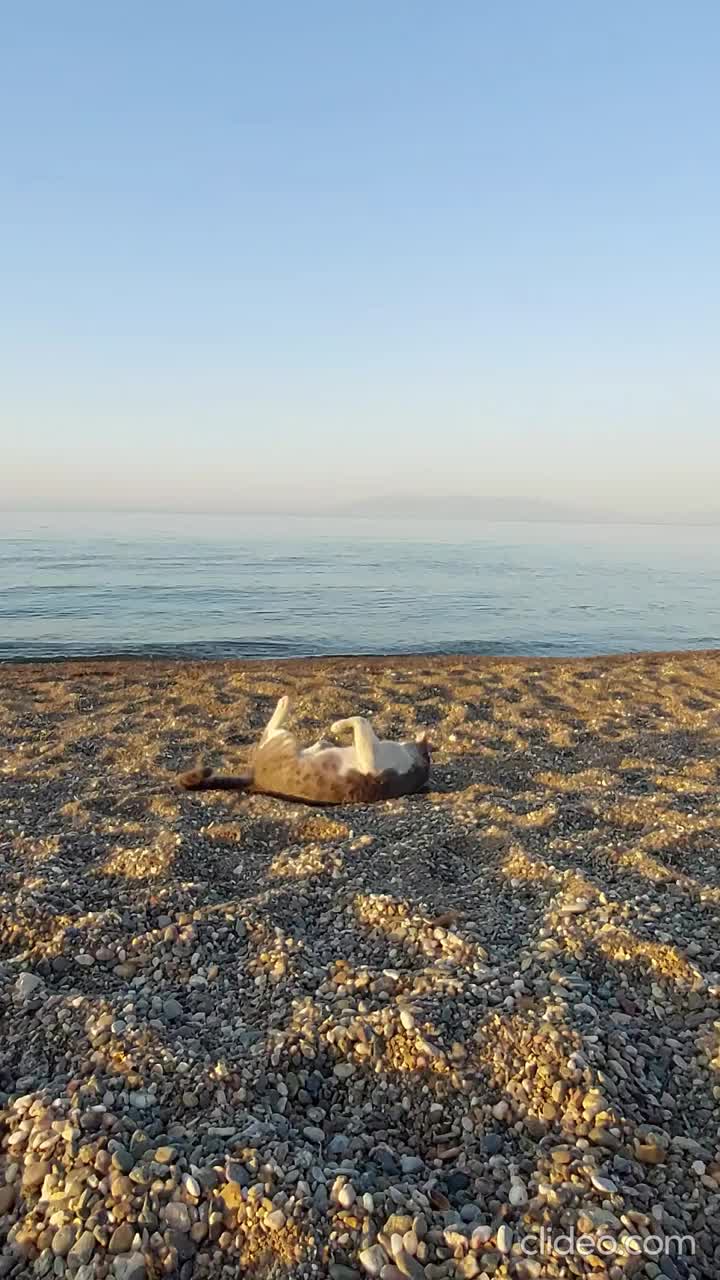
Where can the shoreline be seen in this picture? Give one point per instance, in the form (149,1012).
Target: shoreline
(371,660)
(244,1036)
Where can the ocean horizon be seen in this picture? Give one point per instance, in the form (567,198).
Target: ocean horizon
(75,585)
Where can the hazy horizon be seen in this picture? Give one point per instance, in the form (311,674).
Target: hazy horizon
(292,258)
(440,508)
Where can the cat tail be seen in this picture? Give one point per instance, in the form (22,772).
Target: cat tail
(202,778)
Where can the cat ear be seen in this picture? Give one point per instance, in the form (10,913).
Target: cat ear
(421,736)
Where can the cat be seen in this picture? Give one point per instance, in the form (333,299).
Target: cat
(371,769)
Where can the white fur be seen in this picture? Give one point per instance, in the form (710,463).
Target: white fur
(372,754)
(368,754)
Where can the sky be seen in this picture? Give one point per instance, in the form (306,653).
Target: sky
(282,255)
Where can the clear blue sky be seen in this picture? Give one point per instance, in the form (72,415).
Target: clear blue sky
(441,248)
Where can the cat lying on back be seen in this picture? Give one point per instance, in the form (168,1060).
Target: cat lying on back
(370,769)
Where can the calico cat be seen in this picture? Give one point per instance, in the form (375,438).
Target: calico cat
(370,769)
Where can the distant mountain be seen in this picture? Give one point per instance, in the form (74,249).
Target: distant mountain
(520,510)
(536,510)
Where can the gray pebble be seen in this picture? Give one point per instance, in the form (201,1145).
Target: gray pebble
(63,1241)
(313,1134)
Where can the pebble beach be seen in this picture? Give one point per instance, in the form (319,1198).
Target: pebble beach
(432,1038)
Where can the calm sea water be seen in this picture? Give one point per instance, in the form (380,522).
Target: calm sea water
(202,586)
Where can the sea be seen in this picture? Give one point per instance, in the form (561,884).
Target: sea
(215,586)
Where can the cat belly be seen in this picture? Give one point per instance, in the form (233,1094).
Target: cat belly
(331,787)
(330,776)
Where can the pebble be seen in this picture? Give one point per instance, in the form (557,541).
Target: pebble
(177,1216)
(63,1241)
(122,1238)
(504,1238)
(83,1248)
(407,1265)
(601,1183)
(518,1194)
(491,1143)
(313,1134)
(35,1173)
(7,1199)
(387,1161)
(131,1267)
(344,1070)
(164,1155)
(373,1259)
(410,1241)
(27,985)
(468,1267)
(455,1239)
(123,1159)
(457,1181)
(650,1153)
